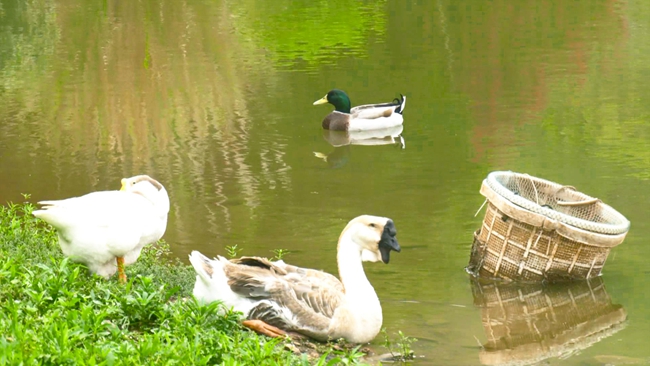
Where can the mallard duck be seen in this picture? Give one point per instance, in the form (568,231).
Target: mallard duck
(280,299)
(363,117)
(106,230)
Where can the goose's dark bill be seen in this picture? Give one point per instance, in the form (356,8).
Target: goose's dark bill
(388,241)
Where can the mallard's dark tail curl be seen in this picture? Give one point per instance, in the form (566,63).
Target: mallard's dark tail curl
(402,104)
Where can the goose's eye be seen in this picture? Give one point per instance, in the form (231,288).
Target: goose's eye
(372,225)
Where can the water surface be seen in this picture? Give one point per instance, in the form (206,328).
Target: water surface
(214,99)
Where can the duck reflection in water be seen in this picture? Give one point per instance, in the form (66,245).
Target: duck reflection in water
(528,323)
(341,142)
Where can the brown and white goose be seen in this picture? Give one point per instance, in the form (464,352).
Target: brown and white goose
(106,230)
(278,298)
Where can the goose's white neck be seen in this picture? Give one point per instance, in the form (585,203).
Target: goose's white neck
(359,319)
(351,271)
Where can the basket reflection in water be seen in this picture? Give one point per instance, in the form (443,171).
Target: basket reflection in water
(527,323)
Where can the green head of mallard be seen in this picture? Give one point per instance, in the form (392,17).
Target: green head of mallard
(338,99)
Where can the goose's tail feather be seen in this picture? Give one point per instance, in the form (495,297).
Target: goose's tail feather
(203,265)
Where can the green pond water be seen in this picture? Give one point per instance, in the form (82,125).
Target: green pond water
(214,99)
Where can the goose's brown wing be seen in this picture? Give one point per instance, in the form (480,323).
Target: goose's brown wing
(292,298)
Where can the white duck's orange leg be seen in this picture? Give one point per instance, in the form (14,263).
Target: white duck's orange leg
(120,269)
(261,327)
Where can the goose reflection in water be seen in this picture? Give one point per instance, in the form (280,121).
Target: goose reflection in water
(528,323)
(341,142)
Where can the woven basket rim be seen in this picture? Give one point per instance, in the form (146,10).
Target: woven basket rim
(619,224)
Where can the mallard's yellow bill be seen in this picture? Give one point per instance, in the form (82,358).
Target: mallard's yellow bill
(323,100)
(123,185)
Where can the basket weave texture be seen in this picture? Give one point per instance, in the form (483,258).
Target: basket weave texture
(542,242)
(526,324)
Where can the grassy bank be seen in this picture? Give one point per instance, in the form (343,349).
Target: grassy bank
(55,312)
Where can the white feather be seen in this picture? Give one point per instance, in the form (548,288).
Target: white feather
(210,287)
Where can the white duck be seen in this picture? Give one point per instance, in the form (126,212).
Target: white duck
(278,298)
(106,230)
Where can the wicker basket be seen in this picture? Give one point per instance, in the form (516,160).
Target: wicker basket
(536,230)
(528,323)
